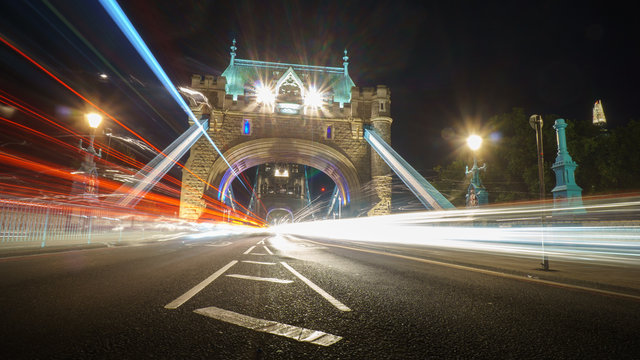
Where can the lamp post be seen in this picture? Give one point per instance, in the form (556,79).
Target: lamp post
(89,186)
(536,123)
(94,121)
(476,193)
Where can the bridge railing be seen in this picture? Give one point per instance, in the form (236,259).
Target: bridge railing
(32,223)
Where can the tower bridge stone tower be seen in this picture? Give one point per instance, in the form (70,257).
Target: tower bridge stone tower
(264,112)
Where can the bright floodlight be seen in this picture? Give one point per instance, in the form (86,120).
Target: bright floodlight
(265,95)
(474,142)
(313,98)
(104,76)
(94,120)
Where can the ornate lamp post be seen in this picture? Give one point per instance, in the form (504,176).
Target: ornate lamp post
(89,187)
(476,193)
(536,123)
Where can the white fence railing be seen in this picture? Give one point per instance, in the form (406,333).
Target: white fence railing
(39,224)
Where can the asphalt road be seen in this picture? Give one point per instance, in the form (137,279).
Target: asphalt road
(266,297)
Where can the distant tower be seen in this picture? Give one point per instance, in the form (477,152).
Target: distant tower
(598,114)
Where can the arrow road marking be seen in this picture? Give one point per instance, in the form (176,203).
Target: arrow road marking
(256,278)
(317,289)
(272,327)
(196,289)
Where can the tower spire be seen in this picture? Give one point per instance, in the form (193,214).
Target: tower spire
(346,62)
(233,51)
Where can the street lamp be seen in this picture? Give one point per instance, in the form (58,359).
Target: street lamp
(476,193)
(474,142)
(536,123)
(88,188)
(94,121)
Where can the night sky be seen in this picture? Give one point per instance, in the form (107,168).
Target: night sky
(447,63)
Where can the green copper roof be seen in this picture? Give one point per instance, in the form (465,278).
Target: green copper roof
(244,74)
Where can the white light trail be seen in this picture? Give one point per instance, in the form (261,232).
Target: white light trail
(493,230)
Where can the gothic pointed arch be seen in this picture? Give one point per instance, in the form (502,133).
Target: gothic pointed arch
(290,87)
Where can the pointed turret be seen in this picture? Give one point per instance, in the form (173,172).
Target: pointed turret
(235,82)
(342,89)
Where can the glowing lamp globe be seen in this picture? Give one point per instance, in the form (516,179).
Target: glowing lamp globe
(313,98)
(94,120)
(265,96)
(474,142)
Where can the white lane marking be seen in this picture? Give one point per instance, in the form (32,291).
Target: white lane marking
(258,262)
(196,289)
(256,278)
(317,289)
(272,327)
(224,243)
(268,250)
(261,242)
(260,254)
(249,250)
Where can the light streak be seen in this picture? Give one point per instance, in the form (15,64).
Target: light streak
(74,91)
(596,237)
(112,152)
(119,17)
(116,13)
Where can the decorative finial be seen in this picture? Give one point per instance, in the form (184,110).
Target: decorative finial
(346,62)
(233,51)
(233,47)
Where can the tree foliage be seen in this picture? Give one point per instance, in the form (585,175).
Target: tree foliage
(608,161)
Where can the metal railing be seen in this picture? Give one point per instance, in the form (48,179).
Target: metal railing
(35,223)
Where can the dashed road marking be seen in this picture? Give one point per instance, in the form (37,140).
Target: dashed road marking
(249,250)
(224,243)
(268,250)
(272,327)
(258,262)
(317,289)
(256,278)
(196,289)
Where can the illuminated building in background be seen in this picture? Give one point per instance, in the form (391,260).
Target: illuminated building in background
(598,114)
(289,114)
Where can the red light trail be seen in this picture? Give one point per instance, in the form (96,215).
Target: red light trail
(217,210)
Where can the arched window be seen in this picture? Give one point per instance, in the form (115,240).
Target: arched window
(246,127)
(329,133)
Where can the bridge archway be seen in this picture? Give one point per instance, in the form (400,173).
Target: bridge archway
(286,150)
(287,210)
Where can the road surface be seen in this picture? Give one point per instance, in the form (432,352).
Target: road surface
(274,297)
